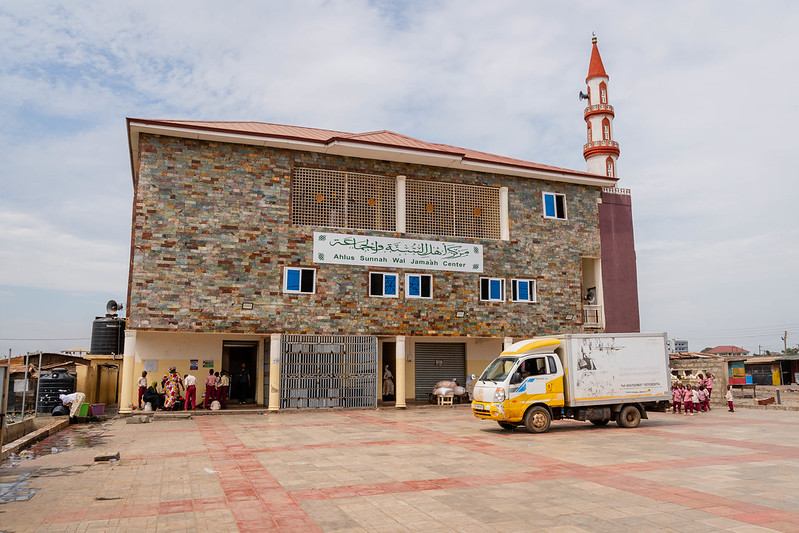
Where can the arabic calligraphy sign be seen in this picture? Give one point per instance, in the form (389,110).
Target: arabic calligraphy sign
(414,254)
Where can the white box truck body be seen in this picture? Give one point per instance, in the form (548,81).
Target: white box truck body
(593,377)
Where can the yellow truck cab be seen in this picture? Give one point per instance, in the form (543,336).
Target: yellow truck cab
(585,377)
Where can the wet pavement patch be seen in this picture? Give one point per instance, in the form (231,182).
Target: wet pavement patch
(16,490)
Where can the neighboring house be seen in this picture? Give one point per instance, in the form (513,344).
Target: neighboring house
(324,260)
(677,345)
(729,351)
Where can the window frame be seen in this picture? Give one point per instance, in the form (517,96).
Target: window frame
(421,296)
(532,290)
(287,269)
(555,195)
(502,289)
(383,275)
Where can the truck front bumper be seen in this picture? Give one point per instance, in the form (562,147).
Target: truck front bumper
(489,411)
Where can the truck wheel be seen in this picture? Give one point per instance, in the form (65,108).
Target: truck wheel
(507,426)
(600,422)
(628,417)
(537,419)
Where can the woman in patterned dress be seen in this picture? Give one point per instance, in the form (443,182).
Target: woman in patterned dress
(172,384)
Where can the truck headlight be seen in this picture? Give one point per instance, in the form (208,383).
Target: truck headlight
(499,395)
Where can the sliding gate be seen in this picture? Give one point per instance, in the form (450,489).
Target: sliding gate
(328,371)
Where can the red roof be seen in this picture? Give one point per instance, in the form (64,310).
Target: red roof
(595,69)
(384,138)
(728,349)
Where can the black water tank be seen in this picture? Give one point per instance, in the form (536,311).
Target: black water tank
(108,336)
(52,384)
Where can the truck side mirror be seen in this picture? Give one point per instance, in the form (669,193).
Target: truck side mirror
(515,378)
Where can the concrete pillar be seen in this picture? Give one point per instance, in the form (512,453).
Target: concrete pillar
(274,372)
(506,343)
(400,359)
(400,200)
(504,215)
(126,395)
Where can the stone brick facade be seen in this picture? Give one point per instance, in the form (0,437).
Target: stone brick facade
(212,229)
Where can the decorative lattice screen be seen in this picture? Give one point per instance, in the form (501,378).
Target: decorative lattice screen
(343,200)
(451,209)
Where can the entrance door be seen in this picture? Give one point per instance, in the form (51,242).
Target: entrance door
(234,354)
(388,392)
(437,361)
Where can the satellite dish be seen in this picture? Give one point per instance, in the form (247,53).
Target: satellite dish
(112,307)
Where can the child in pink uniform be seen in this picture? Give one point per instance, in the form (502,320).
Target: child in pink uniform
(695,396)
(702,396)
(676,399)
(688,400)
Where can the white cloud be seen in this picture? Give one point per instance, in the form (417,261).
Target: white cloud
(703,95)
(35,253)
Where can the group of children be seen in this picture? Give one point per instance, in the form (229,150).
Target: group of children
(696,397)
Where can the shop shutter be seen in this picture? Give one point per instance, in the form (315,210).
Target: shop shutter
(437,361)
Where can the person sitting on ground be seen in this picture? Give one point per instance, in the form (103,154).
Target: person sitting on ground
(152,397)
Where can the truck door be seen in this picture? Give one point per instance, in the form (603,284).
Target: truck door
(537,379)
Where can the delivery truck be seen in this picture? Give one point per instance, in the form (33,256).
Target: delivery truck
(590,377)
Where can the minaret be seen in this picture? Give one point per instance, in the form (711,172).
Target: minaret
(601,152)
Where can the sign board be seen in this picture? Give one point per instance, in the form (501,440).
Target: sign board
(414,254)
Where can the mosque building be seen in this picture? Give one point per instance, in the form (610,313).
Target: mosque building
(323,260)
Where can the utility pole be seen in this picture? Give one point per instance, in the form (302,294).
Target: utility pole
(785,340)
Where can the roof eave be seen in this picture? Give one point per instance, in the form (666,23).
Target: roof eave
(353,148)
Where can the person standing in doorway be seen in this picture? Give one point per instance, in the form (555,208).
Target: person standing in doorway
(142,384)
(224,387)
(210,389)
(191,391)
(243,383)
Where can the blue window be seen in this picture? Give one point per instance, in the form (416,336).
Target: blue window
(299,280)
(418,286)
(523,290)
(383,284)
(492,289)
(554,205)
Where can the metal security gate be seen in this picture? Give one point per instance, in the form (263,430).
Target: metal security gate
(436,361)
(328,371)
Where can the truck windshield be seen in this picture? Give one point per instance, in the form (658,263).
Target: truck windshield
(499,369)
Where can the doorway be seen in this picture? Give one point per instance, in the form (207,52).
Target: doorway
(234,354)
(388,392)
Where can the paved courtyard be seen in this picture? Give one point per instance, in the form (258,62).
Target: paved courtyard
(424,469)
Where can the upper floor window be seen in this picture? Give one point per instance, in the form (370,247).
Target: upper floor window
(384,284)
(606,129)
(523,290)
(419,286)
(299,280)
(492,289)
(609,162)
(589,132)
(603,93)
(554,205)
(343,200)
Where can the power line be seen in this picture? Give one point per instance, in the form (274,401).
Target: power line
(61,339)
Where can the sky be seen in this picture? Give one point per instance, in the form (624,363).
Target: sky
(704,94)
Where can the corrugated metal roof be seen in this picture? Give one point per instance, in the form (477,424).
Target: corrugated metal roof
(382,138)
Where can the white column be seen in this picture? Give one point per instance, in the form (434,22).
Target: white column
(400,360)
(274,372)
(504,215)
(400,201)
(506,343)
(126,396)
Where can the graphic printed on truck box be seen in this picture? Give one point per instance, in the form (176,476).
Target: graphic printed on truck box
(612,367)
